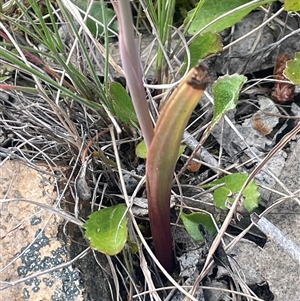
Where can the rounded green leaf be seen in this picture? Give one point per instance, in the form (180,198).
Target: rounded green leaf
(202,46)
(107,229)
(233,184)
(191,222)
(221,195)
(292,70)
(226,94)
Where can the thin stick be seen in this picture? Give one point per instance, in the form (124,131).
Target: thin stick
(274,234)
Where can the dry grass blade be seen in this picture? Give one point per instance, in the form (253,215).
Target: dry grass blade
(145,268)
(59,212)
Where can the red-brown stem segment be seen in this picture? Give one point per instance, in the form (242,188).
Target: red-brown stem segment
(162,158)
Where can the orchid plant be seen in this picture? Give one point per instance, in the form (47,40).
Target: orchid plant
(162,146)
(162,140)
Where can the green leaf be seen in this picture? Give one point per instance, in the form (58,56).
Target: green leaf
(233,184)
(122,104)
(202,46)
(292,5)
(226,93)
(192,221)
(292,70)
(141,150)
(96,12)
(213,9)
(107,229)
